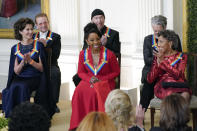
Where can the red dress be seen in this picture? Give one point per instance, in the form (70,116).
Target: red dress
(170,70)
(85,98)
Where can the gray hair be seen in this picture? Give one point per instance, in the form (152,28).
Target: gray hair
(159,20)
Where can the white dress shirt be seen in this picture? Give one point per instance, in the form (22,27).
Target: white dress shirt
(43,35)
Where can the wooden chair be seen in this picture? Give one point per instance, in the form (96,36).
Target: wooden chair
(156,102)
(49,55)
(118,55)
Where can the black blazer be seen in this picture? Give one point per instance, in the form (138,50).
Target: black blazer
(55,45)
(148,55)
(113,42)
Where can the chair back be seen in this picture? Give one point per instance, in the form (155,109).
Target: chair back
(118,56)
(49,55)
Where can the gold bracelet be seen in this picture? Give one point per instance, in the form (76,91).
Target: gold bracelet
(31,62)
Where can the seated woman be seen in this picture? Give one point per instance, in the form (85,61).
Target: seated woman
(174,117)
(27,69)
(119,108)
(168,68)
(96,64)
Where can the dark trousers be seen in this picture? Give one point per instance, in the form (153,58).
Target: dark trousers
(147,93)
(55,83)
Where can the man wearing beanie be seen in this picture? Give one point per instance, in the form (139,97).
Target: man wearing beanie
(110,37)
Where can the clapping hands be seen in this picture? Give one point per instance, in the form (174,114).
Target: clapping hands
(43,41)
(104,39)
(27,58)
(94,80)
(160,55)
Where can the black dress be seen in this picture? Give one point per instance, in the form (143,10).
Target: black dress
(19,87)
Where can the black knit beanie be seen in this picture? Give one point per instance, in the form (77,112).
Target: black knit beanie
(97,12)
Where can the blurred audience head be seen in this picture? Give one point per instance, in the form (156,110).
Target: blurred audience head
(96,121)
(29,117)
(174,114)
(119,108)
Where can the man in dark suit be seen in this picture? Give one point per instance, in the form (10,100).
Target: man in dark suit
(110,37)
(159,23)
(52,44)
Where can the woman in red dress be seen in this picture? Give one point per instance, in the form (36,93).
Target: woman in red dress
(96,63)
(168,68)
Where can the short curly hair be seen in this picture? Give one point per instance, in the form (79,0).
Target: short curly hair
(29,117)
(91,28)
(170,35)
(120,109)
(19,25)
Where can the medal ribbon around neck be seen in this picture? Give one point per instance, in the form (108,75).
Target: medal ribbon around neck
(49,37)
(36,36)
(32,53)
(178,58)
(154,43)
(100,66)
(107,32)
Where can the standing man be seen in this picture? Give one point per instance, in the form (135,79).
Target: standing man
(52,44)
(150,50)
(110,37)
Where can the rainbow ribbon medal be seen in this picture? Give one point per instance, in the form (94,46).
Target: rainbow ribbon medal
(36,36)
(178,58)
(32,53)
(49,37)
(107,32)
(154,43)
(95,70)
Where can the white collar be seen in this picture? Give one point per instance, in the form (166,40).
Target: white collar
(43,35)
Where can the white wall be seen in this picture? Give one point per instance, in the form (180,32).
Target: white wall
(68,17)
(6,44)
(172,9)
(178,16)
